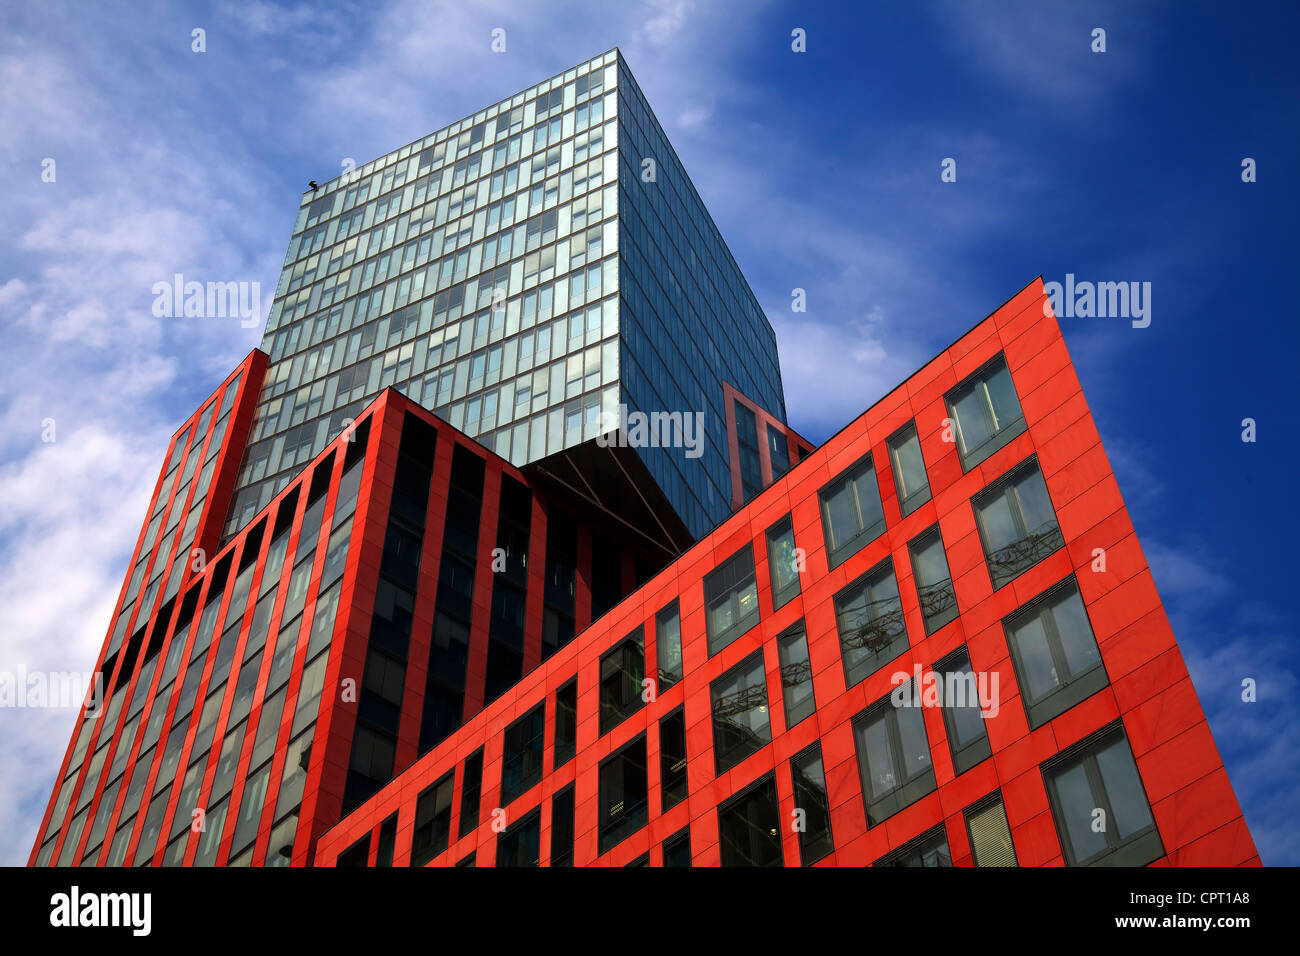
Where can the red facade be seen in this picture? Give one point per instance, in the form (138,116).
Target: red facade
(1143,695)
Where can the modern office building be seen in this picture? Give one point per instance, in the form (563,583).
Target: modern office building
(398,600)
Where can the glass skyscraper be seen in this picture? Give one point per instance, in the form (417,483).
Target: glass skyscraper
(518,272)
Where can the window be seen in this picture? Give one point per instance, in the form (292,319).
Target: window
(751,474)
(933,580)
(668,645)
(963,716)
(851,512)
(749,827)
(357,855)
(562,809)
(624,794)
(1054,652)
(782,562)
(986,412)
(471,792)
(731,600)
(522,763)
(909,470)
(387,841)
(929,849)
(621,672)
(870,621)
(672,758)
(520,844)
(1101,810)
(810,799)
(740,724)
(677,848)
(778,451)
(432,821)
(566,722)
(796,675)
(990,836)
(893,754)
(1016,523)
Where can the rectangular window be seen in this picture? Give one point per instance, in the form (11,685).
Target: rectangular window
(357,855)
(749,827)
(740,724)
(851,513)
(672,758)
(387,841)
(566,723)
(986,412)
(731,600)
(1099,774)
(432,821)
(778,451)
(962,714)
(929,849)
(751,474)
(668,646)
(1054,652)
(783,562)
(521,844)
(562,821)
(893,755)
(624,794)
(933,580)
(796,675)
(909,470)
(621,672)
(990,836)
(471,793)
(1016,523)
(870,621)
(677,848)
(811,802)
(522,761)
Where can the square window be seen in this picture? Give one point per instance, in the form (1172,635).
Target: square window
(731,600)
(749,827)
(621,672)
(933,580)
(1097,780)
(520,844)
(740,721)
(909,470)
(677,848)
(870,621)
(893,754)
(1054,652)
(986,412)
(851,513)
(1016,522)
(624,794)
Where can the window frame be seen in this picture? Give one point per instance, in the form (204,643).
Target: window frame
(1004,487)
(610,832)
(1135,850)
(781,596)
(916,846)
(837,554)
(743,795)
(905,792)
(530,780)
(969,755)
(791,635)
(809,850)
(1079,687)
(742,624)
(1000,438)
(613,713)
(898,644)
(983,805)
(907,503)
(737,670)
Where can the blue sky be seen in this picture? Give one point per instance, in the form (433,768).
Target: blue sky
(822,170)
